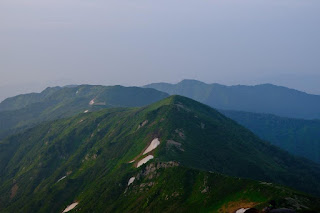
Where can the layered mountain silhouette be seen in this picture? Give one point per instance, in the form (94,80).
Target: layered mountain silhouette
(277,114)
(264,98)
(168,156)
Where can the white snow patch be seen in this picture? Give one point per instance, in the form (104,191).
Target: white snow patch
(61,179)
(70,207)
(142,124)
(91,102)
(131,180)
(152,146)
(144,160)
(242,210)
(86,111)
(132,161)
(77,92)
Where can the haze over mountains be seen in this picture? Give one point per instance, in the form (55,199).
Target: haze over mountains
(79,131)
(266,98)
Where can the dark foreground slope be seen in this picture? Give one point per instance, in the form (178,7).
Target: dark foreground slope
(24,111)
(265,98)
(297,136)
(89,159)
(166,187)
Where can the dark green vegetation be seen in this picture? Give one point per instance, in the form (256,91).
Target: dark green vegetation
(264,98)
(297,136)
(93,150)
(24,111)
(162,188)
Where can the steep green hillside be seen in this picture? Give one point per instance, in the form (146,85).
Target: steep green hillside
(265,98)
(53,103)
(90,158)
(297,136)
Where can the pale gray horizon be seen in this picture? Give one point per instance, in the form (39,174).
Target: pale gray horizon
(109,42)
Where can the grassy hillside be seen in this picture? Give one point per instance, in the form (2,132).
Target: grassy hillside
(88,159)
(25,111)
(162,187)
(265,98)
(297,136)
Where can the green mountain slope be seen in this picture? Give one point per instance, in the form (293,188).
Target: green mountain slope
(297,136)
(54,103)
(21,101)
(265,98)
(90,158)
(162,188)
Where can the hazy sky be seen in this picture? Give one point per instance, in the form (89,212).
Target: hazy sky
(135,42)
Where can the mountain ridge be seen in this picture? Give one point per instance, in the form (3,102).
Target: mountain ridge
(55,103)
(265,98)
(297,135)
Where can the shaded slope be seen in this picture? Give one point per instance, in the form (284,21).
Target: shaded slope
(297,136)
(265,98)
(91,153)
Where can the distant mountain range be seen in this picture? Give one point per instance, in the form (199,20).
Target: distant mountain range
(164,157)
(298,136)
(24,111)
(265,98)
